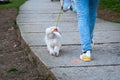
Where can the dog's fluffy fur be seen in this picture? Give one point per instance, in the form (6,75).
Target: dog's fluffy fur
(53,40)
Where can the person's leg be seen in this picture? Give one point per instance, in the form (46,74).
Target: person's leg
(83,24)
(93,5)
(73,6)
(66,5)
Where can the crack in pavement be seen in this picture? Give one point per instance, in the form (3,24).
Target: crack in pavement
(84,66)
(76,44)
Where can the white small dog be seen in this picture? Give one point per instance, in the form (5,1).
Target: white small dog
(53,40)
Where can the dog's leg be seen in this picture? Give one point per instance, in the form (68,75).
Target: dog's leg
(56,50)
(51,50)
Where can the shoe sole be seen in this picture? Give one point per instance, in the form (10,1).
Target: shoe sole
(85,58)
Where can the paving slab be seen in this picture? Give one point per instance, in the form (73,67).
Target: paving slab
(38,38)
(42,5)
(87,73)
(106,54)
(41,27)
(46,18)
(66,26)
(72,37)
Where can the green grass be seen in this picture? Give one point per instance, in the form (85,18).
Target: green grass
(12,4)
(113,5)
(12,69)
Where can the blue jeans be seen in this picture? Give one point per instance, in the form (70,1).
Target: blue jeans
(69,4)
(86,12)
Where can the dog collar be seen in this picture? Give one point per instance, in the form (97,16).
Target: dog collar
(55,30)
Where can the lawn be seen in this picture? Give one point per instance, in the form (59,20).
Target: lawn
(113,5)
(12,4)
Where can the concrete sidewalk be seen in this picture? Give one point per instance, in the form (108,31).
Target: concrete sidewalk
(36,15)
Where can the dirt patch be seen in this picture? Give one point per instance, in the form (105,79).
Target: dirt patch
(14,62)
(109,15)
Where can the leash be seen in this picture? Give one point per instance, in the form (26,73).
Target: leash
(58,18)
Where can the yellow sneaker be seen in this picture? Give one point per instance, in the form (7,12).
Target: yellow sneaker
(86,56)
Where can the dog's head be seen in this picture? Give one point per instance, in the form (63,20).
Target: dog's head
(52,29)
(53,32)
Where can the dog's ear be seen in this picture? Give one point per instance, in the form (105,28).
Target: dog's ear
(58,28)
(48,30)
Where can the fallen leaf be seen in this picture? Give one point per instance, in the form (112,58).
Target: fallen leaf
(76,61)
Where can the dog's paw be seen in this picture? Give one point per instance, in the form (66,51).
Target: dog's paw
(54,54)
